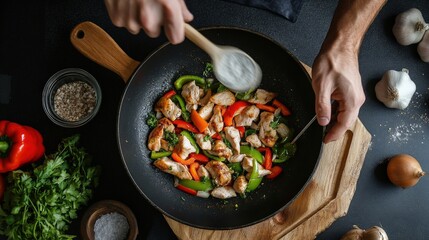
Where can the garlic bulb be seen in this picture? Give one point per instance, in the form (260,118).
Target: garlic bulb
(395,89)
(409,27)
(423,48)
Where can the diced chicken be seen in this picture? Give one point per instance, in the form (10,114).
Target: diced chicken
(191,93)
(220,172)
(204,144)
(233,136)
(216,121)
(223,192)
(262,97)
(283,130)
(166,145)
(155,137)
(247,116)
(184,147)
(267,134)
(236,158)
(253,140)
(240,185)
(224,98)
(169,166)
(190,107)
(202,172)
(247,165)
(206,99)
(220,149)
(206,111)
(168,108)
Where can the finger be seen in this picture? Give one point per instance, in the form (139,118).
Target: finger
(150,18)
(323,107)
(116,10)
(345,119)
(173,23)
(187,15)
(132,24)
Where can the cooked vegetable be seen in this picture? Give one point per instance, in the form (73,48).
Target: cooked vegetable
(373,233)
(233,110)
(182,80)
(404,170)
(409,27)
(395,89)
(185,125)
(252,152)
(199,157)
(171,138)
(169,94)
(19,145)
(178,159)
(41,203)
(179,100)
(198,121)
(205,185)
(254,180)
(191,139)
(268,157)
(284,110)
(264,107)
(151,120)
(284,151)
(156,155)
(275,171)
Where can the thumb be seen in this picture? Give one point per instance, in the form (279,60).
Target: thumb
(323,108)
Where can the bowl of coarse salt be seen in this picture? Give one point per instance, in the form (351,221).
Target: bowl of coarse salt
(109,219)
(71,97)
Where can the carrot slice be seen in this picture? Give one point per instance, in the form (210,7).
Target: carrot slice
(178,159)
(198,121)
(193,170)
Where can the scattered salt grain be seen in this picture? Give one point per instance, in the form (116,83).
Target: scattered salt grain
(112,226)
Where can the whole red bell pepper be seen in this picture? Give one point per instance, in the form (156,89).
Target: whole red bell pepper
(19,145)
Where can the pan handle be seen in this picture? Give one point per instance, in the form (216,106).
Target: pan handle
(97,45)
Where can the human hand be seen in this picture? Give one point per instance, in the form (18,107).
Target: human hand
(336,77)
(150,15)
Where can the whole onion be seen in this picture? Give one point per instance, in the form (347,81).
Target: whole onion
(373,233)
(404,170)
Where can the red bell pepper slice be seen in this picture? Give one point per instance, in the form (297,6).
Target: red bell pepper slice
(265,107)
(268,157)
(233,110)
(185,125)
(241,130)
(169,94)
(199,157)
(193,170)
(285,110)
(186,189)
(217,136)
(275,171)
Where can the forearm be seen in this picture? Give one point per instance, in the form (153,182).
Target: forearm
(351,20)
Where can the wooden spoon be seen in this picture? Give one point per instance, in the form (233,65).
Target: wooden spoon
(232,67)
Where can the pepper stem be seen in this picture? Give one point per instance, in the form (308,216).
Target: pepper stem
(4,146)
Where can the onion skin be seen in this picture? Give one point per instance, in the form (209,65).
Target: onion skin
(404,170)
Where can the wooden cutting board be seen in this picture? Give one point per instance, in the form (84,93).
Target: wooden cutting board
(326,197)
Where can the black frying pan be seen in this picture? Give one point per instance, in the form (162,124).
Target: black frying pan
(146,82)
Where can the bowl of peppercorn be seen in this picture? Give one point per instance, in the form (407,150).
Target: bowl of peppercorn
(71,97)
(109,219)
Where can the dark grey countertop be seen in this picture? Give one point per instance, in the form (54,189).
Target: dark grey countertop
(34,44)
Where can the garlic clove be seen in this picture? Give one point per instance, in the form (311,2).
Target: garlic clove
(395,89)
(423,48)
(409,27)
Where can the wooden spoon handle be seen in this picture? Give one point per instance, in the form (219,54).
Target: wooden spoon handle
(97,45)
(196,37)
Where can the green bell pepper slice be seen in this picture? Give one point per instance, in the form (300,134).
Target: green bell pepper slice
(182,80)
(156,155)
(191,139)
(284,152)
(252,152)
(236,168)
(217,158)
(179,100)
(254,180)
(205,185)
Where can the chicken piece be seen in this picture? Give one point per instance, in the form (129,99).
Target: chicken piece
(220,149)
(216,121)
(247,165)
(205,144)
(267,134)
(206,111)
(202,172)
(262,97)
(220,172)
(224,98)
(206,99)
(184,147)
(155,137)
(247,116)
(236,158)
(283,130)
(233,136)
(174,168)
(240,185)
(223,192)
(191,93)
(253,140)
(168,108)
(189,107)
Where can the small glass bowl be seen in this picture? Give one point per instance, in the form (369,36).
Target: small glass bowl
(57,80)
